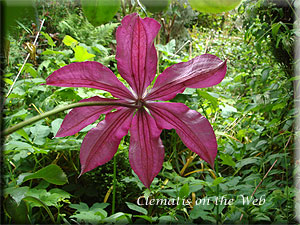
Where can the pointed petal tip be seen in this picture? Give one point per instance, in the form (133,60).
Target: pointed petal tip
(212,165)
(83,171)
(147,183)
(59,134)
(211,161)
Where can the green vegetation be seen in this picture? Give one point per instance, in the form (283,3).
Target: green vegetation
(251,110)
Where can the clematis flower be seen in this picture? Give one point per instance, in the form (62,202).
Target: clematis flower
(137,61)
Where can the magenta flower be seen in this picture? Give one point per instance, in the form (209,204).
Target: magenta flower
(137,60)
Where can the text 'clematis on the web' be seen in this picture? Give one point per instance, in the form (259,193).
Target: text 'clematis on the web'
(137,62)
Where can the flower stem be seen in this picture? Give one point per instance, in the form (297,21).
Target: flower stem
(58,110)
(114,186)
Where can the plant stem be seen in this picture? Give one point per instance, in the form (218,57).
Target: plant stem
(260,183)
(114,186)
(28,55)
(58,110)
(218,187)
(287,175)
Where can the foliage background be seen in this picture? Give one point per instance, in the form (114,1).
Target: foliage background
(252,112)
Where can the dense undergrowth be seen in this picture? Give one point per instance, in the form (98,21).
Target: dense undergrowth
(251,111)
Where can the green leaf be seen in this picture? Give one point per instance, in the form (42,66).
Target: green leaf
(51,173)
(92,215)
(136,208)
(81,54)
(8,81)
(100,11)
(39,202)
(69,41)
(98,206)
(39,133)
(167,220)
(49,198)
(281,105)
(18,212)
(184,191)
(275,29)
(80,207)
(218,180)
(167,166)
(156,6)
(49,39)
(23,134)
(167,49)
(214,6)
(198,211)
(17,10)
(88,217)
(17,193)
(227,160)
(148,218)
(260,144)
(247,161)
(206,95)
(28,68)
(54,196)
(120,217)
(52,52)
(55,125)
(227,110)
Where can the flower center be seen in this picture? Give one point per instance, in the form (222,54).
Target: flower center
(140,103)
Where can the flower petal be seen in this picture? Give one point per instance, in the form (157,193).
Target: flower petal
(136,54)
(203,71)
(194,129)
(80,117)
(101,143)
(89,74)
(146,152)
